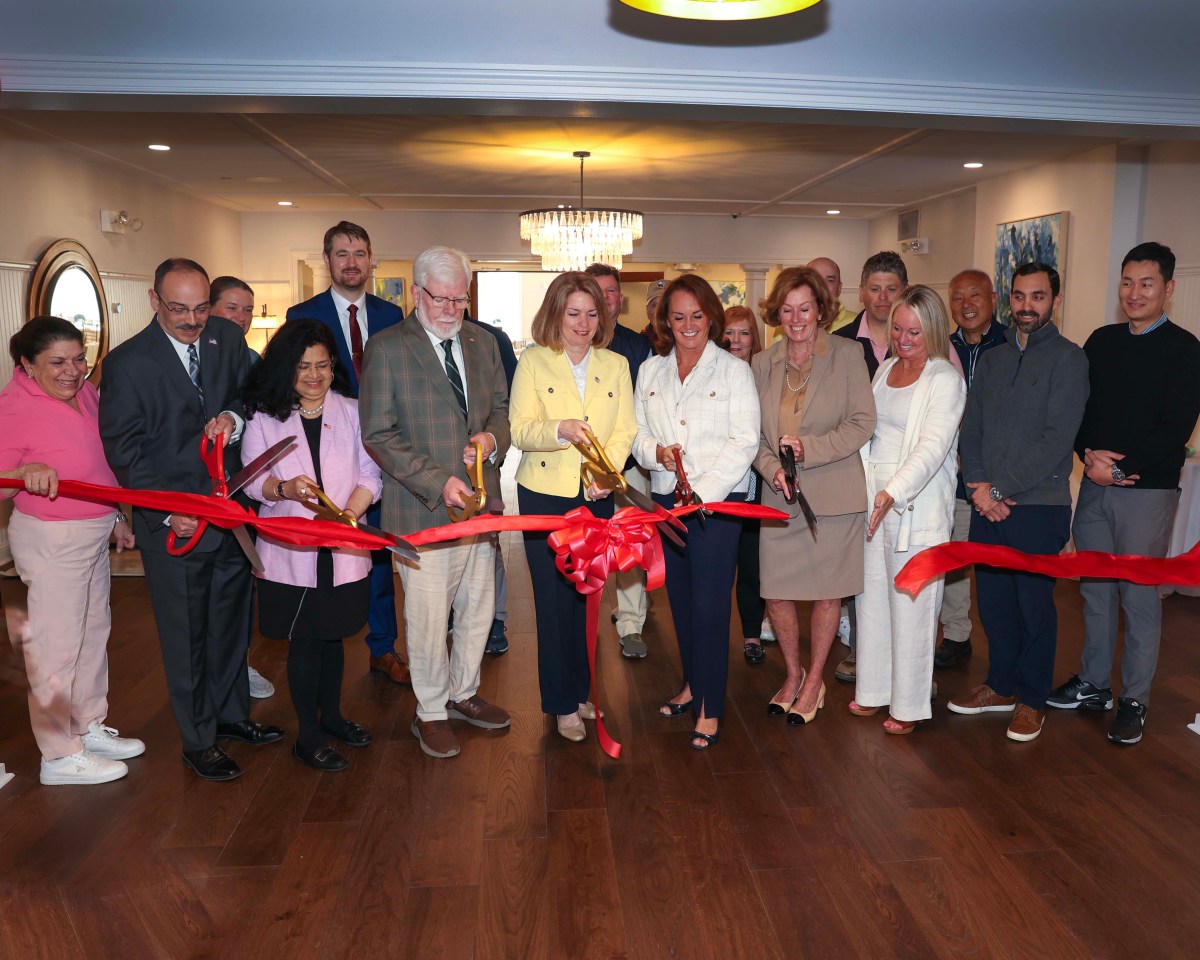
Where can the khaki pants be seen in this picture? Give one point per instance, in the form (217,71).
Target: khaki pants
(64,563)
(631,584)
(956,598)
(459,576)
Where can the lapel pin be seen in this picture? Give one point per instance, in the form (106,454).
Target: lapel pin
(213,341)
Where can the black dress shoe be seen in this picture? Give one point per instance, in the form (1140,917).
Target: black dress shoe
(249,731)
(350,733)
(753,652)
(949,652)
(323,758)
(212,764)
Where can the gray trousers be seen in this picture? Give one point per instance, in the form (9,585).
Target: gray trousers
(1122,520)
(955,614)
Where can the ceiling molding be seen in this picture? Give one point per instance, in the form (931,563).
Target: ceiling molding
(21,78)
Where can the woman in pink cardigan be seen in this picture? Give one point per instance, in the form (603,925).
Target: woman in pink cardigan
(314,598)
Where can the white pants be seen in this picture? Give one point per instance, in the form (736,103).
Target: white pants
(896,632)
(459,576)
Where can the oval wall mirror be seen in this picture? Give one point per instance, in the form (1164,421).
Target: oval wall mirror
(66,283)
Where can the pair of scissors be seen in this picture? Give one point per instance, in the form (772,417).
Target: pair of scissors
(791,487)
(598,469)
(474,503)
(212,455)
(326,509)
(685,496)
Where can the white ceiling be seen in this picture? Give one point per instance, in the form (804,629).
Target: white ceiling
(248,162)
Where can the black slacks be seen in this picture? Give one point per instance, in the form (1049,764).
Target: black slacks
(560,609)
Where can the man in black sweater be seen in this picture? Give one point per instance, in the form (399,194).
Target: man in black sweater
(1143,405)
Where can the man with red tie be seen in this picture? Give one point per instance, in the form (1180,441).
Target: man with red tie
(355,315)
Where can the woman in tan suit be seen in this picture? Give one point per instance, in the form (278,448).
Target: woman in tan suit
(566,385)
(816,399)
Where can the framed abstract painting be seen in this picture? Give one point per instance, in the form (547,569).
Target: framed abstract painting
(1041,238)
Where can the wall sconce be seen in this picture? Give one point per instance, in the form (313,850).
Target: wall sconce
(119,221)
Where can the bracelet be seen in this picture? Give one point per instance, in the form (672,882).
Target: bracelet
(279,490)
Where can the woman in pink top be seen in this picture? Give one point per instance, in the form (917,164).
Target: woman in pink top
(312,597)
(48,429)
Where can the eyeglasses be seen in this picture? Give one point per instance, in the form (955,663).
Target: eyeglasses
(459,303)
(200,311)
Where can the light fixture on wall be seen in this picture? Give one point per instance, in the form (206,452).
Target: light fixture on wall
(119,221)
(265,321)
(570,238)
(721,9)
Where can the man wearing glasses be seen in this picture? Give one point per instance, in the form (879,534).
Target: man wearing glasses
(355,316)
(179,377)
(432,389)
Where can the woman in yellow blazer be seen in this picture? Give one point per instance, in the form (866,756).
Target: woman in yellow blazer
(564,385)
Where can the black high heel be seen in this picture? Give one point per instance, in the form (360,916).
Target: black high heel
(709,739)
(670,709)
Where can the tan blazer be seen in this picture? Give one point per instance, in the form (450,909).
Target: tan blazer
(544,393)
(412,424)
(839,417)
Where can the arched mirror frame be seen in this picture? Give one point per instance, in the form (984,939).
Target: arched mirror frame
(59,257)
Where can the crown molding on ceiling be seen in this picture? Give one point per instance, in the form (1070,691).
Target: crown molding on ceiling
(59,83)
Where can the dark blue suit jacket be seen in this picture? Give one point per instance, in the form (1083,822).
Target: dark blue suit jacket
(380,316)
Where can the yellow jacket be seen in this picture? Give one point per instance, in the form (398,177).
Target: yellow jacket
(544,393)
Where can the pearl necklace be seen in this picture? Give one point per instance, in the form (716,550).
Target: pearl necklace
(787,379)
(311,414)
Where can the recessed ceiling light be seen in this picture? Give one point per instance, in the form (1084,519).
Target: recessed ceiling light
(833,213)
(973,165)
(284,203)
(158,146)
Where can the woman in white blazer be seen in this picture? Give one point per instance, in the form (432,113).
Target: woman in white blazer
(910,468)
(564,386)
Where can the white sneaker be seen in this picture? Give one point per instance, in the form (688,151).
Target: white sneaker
(82,768)
(766,633)
(102,741)
(260,686)
(844,630)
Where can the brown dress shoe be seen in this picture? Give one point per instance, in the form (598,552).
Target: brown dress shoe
(1026,723)
(847,670)
(392,667)
(479,713)
(983,699)
(436,737)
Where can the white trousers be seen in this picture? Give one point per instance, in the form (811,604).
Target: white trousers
(896,633)
(459,576)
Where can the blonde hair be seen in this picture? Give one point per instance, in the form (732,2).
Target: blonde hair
(547,322)
(930,311)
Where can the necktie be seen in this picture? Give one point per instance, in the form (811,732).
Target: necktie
(355,340)
(194,370)
(454,376)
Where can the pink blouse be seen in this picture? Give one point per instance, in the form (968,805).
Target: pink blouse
(36,428)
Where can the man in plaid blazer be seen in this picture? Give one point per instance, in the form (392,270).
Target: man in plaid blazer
(430,389)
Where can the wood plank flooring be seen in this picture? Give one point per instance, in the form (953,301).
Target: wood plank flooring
(825,841)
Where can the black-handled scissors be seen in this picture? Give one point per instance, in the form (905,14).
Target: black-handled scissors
(791,486)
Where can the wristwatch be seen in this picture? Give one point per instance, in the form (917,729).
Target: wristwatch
(1117,474)
(995,493)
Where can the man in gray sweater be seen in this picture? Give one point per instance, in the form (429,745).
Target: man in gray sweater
(1016,444)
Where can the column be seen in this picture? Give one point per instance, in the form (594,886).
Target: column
(756,291)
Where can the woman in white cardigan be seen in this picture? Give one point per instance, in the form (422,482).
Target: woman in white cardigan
(910,467)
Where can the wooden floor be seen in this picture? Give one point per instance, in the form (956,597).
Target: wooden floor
(824,841)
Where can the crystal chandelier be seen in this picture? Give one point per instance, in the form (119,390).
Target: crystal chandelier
(570,238)
(721,9)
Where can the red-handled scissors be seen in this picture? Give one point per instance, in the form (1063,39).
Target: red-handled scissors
(685,496)
(212,455)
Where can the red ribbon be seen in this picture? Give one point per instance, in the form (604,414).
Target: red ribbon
(932,563)
(298,531)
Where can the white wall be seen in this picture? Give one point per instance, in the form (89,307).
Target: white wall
(273,242)
(48,193)
(949,224)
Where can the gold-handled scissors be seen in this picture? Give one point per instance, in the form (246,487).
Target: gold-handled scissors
(598,469)
(478,498)
(326,509)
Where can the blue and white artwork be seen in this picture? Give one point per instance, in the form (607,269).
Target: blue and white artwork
(1038,238)
(391,289)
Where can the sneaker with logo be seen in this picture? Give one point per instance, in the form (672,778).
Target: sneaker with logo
(1076,693)
(1127,724)
(102,741)
(81,768)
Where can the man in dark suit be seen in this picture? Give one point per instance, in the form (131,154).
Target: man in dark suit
(178,378)
(355,316)
(884,277)
(432,388)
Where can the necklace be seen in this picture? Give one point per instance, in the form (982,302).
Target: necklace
(312,413)
(787,379)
